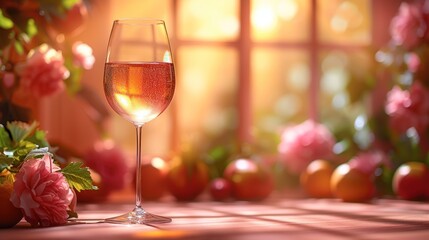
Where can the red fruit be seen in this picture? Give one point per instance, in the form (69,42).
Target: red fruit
(187,178)
(220,189)
(153,179)
(410,181)
(108,160)
(72,21)
(9,214)
(316,179)
(352,185)
(250,181)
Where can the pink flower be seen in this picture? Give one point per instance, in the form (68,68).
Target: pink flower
(408,108)
(409,27)
(44,72)
(304,143)
(42,193)
(109,161)
(368,162)
(82,55)
(413,62)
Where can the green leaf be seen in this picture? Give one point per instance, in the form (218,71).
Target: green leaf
(69,3)
(5,23)
(20,130)
(78,177)
(5,162)
(18,47)
(23,149)
(4,138)
(31,28)
(39,138)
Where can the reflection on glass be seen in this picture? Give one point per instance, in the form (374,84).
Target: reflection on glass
(344,21)
(208,20)
(275,20)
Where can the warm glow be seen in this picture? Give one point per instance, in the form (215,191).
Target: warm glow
(345,21)
(263,16)
(346,17)
(161,234)
(287,9)
(212,20)
(123,100)
(158,163)
(287,105)
(298,77)
(245,165)
(140,112)
(343,169)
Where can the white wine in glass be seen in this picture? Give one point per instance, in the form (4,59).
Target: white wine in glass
(139,83)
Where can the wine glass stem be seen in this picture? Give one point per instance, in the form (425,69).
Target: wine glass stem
(138,167)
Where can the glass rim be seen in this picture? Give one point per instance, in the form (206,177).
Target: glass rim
(140,21)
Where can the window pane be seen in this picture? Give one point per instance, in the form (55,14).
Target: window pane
(142,9)
(207,84)
(343,85)
(208,19)
(280,82)
(280,20)
(344,21)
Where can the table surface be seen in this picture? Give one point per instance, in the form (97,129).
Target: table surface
(272,219)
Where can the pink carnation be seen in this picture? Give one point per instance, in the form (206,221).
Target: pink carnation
(109,161)
(408,108)
(409,27)
(304,143)
(82,55)
(42,193)
(368,162)
(44,72)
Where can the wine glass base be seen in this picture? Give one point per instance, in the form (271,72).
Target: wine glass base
(138,216)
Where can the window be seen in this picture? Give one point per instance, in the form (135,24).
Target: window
(252,67)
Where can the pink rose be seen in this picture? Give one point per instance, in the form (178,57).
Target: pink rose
(408,108)
(44,72)
(304,143)
(110,162)
(82,55)
(368,162)
(409,27)
(42,193)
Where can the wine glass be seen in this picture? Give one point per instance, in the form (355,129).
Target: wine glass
(139,84)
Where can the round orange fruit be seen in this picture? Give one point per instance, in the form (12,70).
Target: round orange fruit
(351,185)
(10,215)
(316,179)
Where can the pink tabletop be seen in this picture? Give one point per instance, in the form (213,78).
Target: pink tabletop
(271,219)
